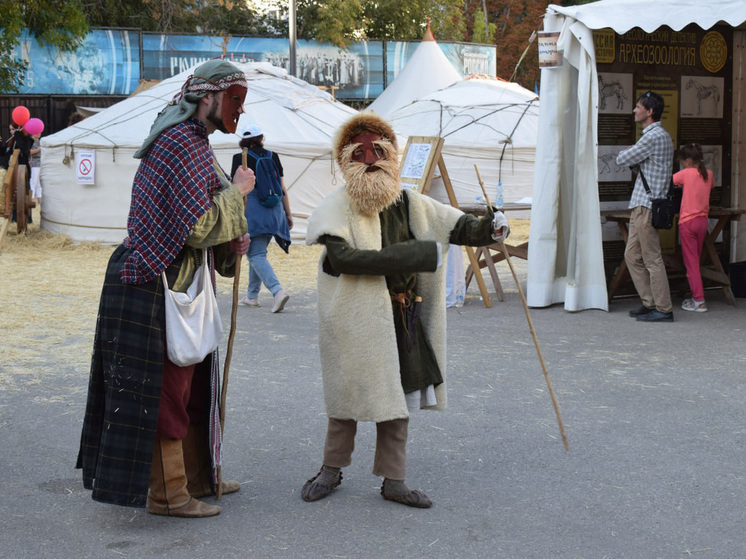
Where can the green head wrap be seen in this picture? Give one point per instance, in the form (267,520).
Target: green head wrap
(212,76)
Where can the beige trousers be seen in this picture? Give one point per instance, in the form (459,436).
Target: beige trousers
(391,446)
(645,262)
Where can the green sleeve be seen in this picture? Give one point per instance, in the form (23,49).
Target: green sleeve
(406,257)
(472,231)
(223,222)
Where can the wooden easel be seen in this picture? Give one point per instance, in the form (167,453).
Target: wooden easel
(421,155)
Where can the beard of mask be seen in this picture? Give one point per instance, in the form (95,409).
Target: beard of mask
(215,117)
(224,116)
(374,191)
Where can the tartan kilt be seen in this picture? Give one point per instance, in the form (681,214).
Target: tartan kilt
(124,390)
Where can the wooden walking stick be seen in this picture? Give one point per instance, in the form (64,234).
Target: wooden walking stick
(231,337)
(504,250)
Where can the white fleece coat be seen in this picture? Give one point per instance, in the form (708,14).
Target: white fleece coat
(359,360)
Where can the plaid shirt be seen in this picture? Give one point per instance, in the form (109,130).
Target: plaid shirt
(654,153)
(173,187)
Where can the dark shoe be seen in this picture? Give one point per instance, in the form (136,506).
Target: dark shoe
(320,485)
(398,492)
(656,316)
(640,311)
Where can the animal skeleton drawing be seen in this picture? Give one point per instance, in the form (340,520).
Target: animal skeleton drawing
(611,89)
(711,159)
(607,159)
(704,92)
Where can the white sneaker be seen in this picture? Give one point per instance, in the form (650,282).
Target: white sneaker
(694,306)
(249,302)
(280,299)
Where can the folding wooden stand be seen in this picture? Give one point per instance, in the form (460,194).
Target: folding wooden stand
(421,155)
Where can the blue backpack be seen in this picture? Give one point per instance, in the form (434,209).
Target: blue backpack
(268,187)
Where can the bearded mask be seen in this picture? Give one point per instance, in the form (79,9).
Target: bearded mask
(372,179)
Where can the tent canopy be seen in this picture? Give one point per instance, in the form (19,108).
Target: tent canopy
(623,15)
(298,120)
(565,249)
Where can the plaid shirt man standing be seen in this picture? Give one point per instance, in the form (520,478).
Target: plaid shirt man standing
(653,152)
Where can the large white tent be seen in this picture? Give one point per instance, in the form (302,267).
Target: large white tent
(486,121)
(298,120)
(566,255)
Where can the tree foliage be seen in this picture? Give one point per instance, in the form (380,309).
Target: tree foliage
(480,34)
(515,21)
(342,21)
(214,17)
(60,23)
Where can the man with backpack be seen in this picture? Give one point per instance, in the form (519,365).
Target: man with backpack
(268,215)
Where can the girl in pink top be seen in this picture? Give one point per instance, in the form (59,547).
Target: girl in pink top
(696,181)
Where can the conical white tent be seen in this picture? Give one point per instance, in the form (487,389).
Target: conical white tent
(489,122)
(298,120)
(426,71)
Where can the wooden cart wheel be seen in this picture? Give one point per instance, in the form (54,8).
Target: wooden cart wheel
(23,203)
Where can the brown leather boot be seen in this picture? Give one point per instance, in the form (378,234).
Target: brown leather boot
(198,467)
(168,495)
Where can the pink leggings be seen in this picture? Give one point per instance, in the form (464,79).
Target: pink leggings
(692,235)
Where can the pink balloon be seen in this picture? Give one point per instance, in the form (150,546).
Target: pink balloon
(20,115)
(34,126)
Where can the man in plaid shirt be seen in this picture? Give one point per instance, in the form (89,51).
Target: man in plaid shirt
(653,152)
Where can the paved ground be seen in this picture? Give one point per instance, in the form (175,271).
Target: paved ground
(654,414)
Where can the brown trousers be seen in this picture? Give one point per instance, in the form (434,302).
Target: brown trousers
(391,446)
(645,262)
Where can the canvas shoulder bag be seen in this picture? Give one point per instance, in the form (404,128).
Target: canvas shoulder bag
(666,208)
(193,325)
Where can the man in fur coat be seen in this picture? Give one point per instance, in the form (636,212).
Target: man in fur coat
(382,323)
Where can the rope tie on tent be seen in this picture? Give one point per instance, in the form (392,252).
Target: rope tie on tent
(508,139)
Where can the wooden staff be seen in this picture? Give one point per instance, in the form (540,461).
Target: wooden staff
(504,250)
(231,337)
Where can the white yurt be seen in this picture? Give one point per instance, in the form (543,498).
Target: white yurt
(484,121)
(87,169)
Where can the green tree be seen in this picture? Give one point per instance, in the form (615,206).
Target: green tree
(215,17)
(59,23)
(342,21)
(479,34)
(405,20)
(335,21)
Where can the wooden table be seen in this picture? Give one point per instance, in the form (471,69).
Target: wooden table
(710,267)
(485,258)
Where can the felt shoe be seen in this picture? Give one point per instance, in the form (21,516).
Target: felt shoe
(398,492)
(320,485)
(280,299)
(694,306)
(246,302)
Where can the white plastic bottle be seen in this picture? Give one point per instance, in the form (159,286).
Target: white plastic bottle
(499,200)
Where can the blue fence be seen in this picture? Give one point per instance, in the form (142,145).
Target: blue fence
(112,62)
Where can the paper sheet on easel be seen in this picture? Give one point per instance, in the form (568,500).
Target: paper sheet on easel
(414,164)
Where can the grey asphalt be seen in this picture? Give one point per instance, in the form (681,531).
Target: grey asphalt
(654,414)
